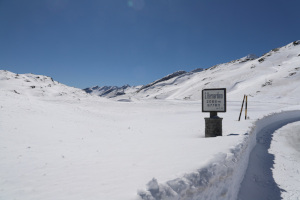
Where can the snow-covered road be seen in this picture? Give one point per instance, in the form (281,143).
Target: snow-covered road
(266,174)
(286,148)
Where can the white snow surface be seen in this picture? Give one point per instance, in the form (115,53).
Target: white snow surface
(278,69)
(259,181)
(57,142)
(286,164)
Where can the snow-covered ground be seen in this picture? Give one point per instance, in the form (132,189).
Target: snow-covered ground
(260,181)
(286,148)
(57,142)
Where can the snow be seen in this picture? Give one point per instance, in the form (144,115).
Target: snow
(252,76)
(286,164)
(259,182)
(57,142)
(111,91)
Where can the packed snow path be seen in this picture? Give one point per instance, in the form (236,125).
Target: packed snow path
(259,180)
(286,148)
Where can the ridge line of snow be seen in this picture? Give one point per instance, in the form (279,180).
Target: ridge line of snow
(222,177)
(168,77)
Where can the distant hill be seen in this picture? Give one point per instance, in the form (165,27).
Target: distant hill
(37,85)
(275,75)
(252,75)
(111,91)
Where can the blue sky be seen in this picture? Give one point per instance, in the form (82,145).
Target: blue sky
(84,43)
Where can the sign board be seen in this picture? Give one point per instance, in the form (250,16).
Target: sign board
(214,100)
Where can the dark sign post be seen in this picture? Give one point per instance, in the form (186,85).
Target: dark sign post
(213,101)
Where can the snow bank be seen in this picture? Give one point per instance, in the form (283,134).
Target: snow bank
(221,178)
(258,182)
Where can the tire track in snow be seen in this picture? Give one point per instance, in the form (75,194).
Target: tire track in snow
(258,182)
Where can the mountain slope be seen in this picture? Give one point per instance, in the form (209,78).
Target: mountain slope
(111,91)
(250,75)
(166,78)
(37,86)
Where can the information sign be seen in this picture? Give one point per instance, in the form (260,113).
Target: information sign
(214,100)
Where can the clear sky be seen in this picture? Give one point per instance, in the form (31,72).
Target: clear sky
(84,43)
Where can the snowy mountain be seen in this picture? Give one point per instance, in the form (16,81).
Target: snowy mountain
(37,85)
(115,91)
(250,75)
(58,142)
(111,91)
(166,78)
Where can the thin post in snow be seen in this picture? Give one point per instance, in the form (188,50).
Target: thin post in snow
(242,107)
(246,107)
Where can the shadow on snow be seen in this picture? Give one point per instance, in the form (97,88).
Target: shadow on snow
(258,182)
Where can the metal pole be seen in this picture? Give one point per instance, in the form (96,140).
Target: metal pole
(246,107)
(242,107)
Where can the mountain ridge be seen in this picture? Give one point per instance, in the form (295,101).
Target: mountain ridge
(260,72)
(116,91)
(252,75)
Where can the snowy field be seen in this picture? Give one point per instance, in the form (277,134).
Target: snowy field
(57,142)
(66,148)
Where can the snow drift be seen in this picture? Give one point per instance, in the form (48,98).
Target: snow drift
(221,178)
